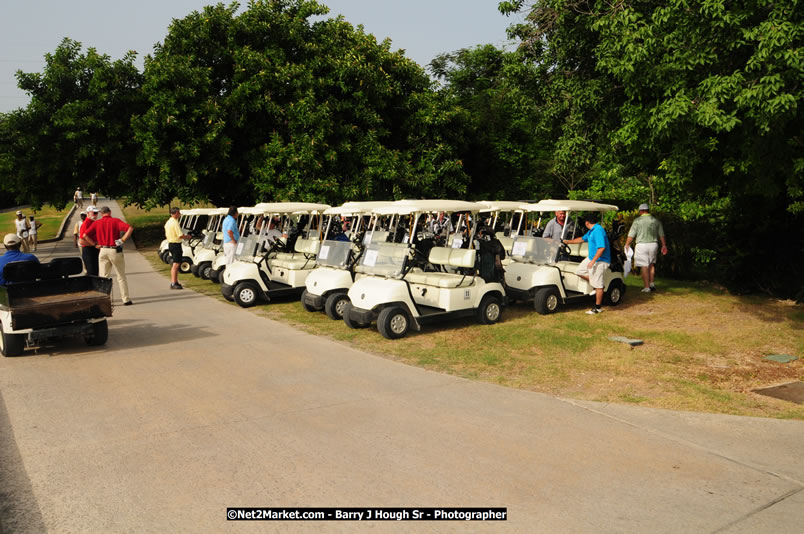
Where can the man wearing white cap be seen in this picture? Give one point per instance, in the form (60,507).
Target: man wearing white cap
(12,243)
(22,231)
(89,253)
(647,230)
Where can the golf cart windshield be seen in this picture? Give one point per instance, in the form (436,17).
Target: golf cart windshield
(334,254)
(534,249)
(209,239)
(246,248)
(384,259)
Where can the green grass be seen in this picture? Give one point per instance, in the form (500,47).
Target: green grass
(50,217)
(703,349)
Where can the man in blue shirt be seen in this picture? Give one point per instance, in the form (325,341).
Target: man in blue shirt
(595,265)
(12,243)
(230,235)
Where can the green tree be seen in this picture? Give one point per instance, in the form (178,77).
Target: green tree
(76,130)
(265,104)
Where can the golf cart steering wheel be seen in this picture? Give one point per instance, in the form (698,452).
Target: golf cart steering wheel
(564,248)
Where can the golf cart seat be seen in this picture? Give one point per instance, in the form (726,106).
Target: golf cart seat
(303,258)
(449,257)
(579,249)
(507,243)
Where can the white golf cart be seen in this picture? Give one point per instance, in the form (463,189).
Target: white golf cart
(211,244)
(192,222)
(328,284)
(246,216)
(543,270)
(399,294)
(264,266)
(502,214)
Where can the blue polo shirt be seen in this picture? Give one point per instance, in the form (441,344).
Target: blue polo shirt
(13,255)
(596,237)
(230,223)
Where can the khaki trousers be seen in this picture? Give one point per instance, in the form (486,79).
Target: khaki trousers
(109,258)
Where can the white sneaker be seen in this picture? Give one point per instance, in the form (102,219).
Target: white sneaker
(594,311)
(646,290)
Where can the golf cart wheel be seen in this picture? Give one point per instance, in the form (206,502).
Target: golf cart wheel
(11,344)
(490,310)
(204,269)
(615,293)
(194,270)
(305,305)
(347,318)
(334,305)
(216,276)
(393,322)
(99,334)
(546,300)
(184,266)
(246,294)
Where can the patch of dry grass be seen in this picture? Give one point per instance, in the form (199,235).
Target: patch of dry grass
(704,349)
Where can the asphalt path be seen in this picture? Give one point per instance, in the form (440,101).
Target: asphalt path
(195,405)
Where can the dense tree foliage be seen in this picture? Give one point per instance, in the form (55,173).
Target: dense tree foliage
(76,130)
(265,104)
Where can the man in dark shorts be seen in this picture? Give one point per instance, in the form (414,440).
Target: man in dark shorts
(174,237)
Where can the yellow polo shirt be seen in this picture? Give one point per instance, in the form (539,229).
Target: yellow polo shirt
(173,231)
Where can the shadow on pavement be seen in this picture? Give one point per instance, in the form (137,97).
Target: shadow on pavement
(19,511)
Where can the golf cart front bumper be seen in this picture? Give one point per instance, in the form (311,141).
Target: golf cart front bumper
(227,291)
(512,293)
(362,316)
(313,301)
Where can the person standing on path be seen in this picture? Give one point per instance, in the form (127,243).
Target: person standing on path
(231,235)
(89,253)
(77,229)
(647,230)
(593,267)
(93,198)
(23,231)
(12,242)
(104,234)
(32,233)
(78,198)
(174,237)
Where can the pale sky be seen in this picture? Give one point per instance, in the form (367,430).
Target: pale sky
(31,28)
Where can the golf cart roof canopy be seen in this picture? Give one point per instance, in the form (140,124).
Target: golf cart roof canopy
(290,207)
(354,208)
(503,205)
(201,211)
(250,210)
(429,205)
(569,205)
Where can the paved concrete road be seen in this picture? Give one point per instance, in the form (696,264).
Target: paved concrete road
(195,405)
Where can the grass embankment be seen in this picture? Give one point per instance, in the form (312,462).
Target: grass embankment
(49,216)
(704,349)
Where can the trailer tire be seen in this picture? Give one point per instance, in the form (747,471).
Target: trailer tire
(393,322)
(546,300)
(99,334)
(11,344)
(348,319)
(246,294)
(204,269)
(335,305)
(490,310)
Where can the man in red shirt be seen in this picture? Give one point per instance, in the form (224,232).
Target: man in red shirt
(88,253)
(104,234)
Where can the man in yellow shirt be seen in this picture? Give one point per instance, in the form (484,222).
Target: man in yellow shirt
(174,237)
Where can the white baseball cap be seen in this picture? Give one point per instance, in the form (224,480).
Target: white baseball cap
(12,239)
(93,208)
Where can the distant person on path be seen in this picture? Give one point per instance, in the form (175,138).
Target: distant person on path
(23,231)
(594,266)
(32,233)
(89,254)
(78,198)
(174,237)
(12,243)
(647,230)
(93,199)
(555,228)
(104,234)
(231,236)
(77,229)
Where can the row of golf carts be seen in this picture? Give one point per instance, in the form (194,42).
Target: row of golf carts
(400,264)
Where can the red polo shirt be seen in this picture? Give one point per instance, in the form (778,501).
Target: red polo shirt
(82,231)
(106,229)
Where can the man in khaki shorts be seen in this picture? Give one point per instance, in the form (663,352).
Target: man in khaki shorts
(594,266)
(647,230)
